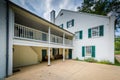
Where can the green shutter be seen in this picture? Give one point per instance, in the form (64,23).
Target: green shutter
(80,34)
(67,24)
(72,22)
(89,33)
(93,51)
(101,30)
(62,25)
(83,51)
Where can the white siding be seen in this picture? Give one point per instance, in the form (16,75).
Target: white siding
(104,45)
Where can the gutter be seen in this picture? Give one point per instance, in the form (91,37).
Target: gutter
(7,37)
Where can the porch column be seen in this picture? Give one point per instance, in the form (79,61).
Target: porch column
(63,48)
(63,54)
(63,38)
(49,46)
(48,56)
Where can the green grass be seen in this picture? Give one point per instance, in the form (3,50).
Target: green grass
(105,62)
(90,60)
(117,52)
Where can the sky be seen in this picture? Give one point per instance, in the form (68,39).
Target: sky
(43,7)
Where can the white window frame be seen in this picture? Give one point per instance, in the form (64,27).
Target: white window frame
(61,25)
(69,23)
(77,35)
(90,52)
(95,32)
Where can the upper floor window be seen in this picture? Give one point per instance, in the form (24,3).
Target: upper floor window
(61,14)
(79,35)
(61,25)
(96,31)
(70,23)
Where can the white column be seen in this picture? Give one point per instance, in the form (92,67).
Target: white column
(49,46)
(48,56)
(63,38)
(11,35)
(63,54)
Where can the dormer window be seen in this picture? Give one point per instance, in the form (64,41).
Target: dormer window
(70,23)
(61,25)
(61,14)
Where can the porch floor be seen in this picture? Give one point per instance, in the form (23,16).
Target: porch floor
(68,70)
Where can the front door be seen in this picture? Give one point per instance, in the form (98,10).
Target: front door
(70,53)
(44,52)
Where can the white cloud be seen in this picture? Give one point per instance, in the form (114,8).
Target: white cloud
(44,7)
(47,9)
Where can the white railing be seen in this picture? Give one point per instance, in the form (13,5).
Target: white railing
(29,33)
(56,39)
(68,42)
(24,32)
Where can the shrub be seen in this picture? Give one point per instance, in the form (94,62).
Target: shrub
(105,62)
(116,62)
(90,60)
(77,58)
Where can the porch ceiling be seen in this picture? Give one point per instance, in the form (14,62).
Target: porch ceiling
(26,21)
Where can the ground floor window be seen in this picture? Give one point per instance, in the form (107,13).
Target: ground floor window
(88,51)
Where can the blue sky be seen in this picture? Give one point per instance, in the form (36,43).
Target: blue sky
(43,7)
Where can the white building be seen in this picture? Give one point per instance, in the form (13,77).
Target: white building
(27,39)
(94,34)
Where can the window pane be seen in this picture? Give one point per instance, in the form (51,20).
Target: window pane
(76,35)
(88,50)
(95,32)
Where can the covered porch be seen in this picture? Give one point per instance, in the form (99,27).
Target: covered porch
(31,55)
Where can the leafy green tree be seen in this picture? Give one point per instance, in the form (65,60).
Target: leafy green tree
(102,7)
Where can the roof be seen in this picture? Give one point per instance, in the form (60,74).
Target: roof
(13,4)
(81,13)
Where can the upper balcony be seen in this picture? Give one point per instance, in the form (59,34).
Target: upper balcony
(27,33)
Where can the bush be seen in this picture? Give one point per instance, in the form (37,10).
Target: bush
(116,62)
(90,60)
(77,58)
(105,62)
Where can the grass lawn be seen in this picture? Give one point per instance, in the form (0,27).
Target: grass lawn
(117,52)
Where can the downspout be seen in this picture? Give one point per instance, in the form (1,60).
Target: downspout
(7,37)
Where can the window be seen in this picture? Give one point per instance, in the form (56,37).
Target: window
(44,37)
(96,31)
(88,51)
(61,14)
(78,35)
(61,25)
(70,23)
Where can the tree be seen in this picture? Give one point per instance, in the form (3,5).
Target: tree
(102,7)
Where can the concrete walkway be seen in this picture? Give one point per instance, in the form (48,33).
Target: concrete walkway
(68,70)
(118,58)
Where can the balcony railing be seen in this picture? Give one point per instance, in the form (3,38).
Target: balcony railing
(24,32)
